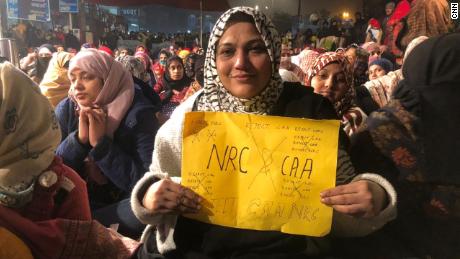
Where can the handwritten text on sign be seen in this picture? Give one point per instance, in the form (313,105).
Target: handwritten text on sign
(260,172)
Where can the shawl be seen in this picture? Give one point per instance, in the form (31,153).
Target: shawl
(55,84)
(215,97)
(29,135)
(117,94)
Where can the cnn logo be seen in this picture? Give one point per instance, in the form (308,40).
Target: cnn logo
(454,11)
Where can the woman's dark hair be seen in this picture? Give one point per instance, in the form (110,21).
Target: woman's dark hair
(239,17)
(170,84)
(163,51)
(171,59)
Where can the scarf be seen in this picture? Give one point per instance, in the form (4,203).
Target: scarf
(169,84)
(136,67)
(306,59)
(215,97)
(117,94)
(352,116)
(342,105)
(428,17)
(431,75)
(29,135)
(421,123)
(55,84)
(381,89)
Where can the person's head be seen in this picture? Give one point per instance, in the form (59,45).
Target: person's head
(242,60)
(135,66)
(331,76)
(163,57)
(285,50)
(374,23)
(91,71)
(242,63)
(60,48)
(142,56)
(306,59)
(29,136)
(158,71)
(183,54)
(351,54)
(55,84)
(98,80)
(141,48)
(87,46)
(358,15)
(430,91)
(123,51)
(46,51)
(379,68)
(175,68)
(415,42)
(106,50)
(199,69)
(389,8)
(373,49)
(190,65)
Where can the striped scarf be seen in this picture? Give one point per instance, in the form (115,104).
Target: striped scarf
(215,97)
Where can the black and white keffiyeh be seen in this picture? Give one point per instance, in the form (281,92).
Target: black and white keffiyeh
(215,97)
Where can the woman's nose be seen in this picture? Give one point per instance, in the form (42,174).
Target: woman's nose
(241,61)
(76,84)
(329,82)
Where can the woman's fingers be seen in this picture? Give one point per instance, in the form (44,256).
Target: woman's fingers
(343,199)
(99,115)
(166,196)
(357,210)
(184,196)
(355,198)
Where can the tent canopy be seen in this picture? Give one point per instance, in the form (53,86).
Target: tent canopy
(207,5)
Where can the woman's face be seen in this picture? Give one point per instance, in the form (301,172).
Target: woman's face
(350,54)
(176,70)
(163,58)
(389,10)
(86,87)
(243,64)
(330,82)
(376,71)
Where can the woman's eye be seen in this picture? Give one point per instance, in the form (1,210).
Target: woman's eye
(341,79)
(226,52)
(258,49)
(322,76)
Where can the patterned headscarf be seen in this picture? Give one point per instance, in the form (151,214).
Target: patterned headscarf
(55,84)
(144,58)
(306,58)
(117,94)
(341,106)
(29,135)
(135,66)
(215,97)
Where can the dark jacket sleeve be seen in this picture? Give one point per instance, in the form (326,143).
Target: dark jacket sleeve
(124,169)
(70,150)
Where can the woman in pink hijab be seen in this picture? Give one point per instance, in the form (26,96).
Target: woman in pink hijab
(108,128)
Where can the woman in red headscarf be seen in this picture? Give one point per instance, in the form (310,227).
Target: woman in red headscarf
(395,25)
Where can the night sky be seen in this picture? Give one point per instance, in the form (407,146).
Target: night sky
(307,6)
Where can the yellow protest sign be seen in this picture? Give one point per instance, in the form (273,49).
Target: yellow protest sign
(260,172)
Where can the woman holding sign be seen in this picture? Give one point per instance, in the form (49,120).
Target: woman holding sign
(241,77)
